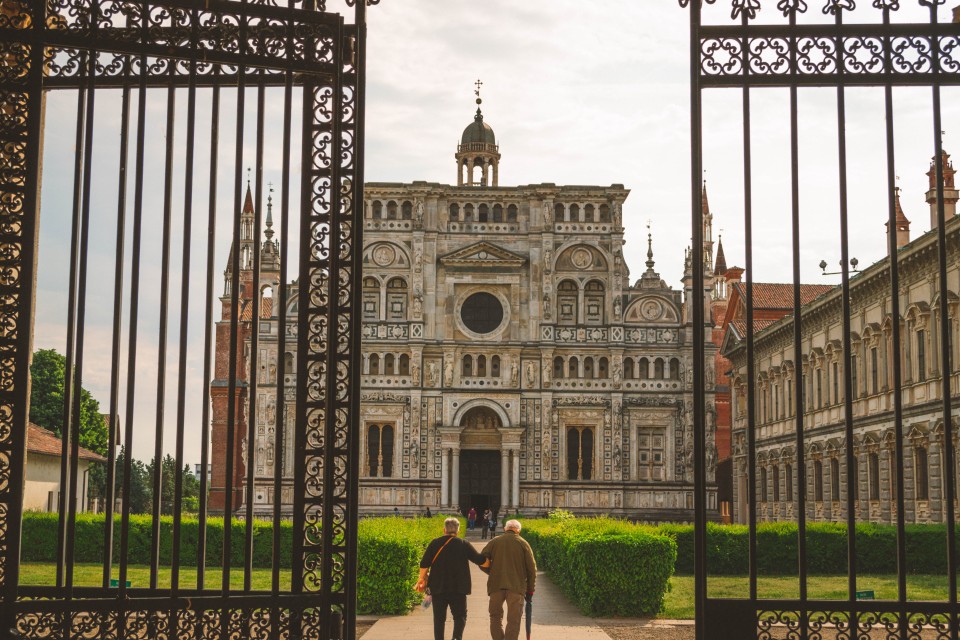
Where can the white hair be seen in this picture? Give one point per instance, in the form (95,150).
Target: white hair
(512,524)
(451,525)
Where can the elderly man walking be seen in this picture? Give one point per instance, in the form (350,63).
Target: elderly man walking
(445,559)
(513,576)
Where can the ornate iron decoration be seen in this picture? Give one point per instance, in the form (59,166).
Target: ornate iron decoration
(90,44)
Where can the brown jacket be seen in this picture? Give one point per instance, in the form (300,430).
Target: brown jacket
(512,566)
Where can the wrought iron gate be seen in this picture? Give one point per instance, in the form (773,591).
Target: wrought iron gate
(198,50)
(798,52)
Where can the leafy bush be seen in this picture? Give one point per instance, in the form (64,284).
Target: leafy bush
(606,567)
(777,548)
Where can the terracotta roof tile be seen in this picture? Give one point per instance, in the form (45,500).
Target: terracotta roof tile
(758,325)
(39,440)
(776,295)
(266,309)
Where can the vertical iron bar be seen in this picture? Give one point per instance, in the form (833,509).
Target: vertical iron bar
(751,365)
(846,310)
(946,401)
(208,330)
(77,374)
(699,408)
(108,524)
(233,406)
(132,331)
(184,321)
(66,428)
(894,266)
(353,465)
(162,336)
(254,344)
(798,381)
(281,311)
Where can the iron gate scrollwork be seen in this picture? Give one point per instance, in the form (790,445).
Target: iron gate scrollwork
(189,46)
(737,52)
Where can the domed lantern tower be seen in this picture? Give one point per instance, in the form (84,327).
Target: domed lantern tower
(478,156)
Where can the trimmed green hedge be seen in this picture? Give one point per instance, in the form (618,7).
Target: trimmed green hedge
(728,545)
(389,549)
(605,567)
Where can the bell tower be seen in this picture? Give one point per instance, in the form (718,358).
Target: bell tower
(478,156)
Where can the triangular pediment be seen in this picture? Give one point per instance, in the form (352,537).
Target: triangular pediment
(482,255)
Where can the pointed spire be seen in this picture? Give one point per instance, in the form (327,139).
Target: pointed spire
(650,262)
(901,216)
(703,199)
(268,232)
(720,266)
(248,201)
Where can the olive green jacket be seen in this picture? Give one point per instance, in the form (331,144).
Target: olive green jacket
(512,566)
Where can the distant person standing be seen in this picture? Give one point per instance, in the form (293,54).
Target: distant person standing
(429,513)
(445,564)
(471,518)
(486,523)
(396,512)
(513,578)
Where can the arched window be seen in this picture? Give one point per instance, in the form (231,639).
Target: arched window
(921,483)
(404,365)
(454,211)
(573,365)
(603,368)
(604,213)
(776,483)
(371,299)
(498,213)
(588,367)
(380,451)
(675,369)
(763,484)
(788,481)
(628,372)
(643,369)
(574,213)
(921,355)
(483,213)
(377,209)
(392,210)
(389,365)
(594,302)
(495,367)
(567,295)
(374,364)
(468,212)
(588,213)
(818,480)
(557,368)
(580,453)
(512,213)
(834,479)
(288,363)
(467,366)
(873,471)
(397,299)
(658,369)
(558,212)
(482,366)
(406,210)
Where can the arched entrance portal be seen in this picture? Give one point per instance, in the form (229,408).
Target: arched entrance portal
(480,460)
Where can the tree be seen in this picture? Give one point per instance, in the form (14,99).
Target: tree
(190,500)
(47,402)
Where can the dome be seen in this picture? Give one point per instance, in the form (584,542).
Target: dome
(478,131)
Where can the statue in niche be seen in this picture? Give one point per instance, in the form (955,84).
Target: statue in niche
(617,501)
(546,305)
(617,458)
(617,307)
(514,374)
(546,375)
(617,374)
(417,258)
(546,215)
(531,374)
(415,371)
(448,374)
(617,214)
(417,302)
(547,261)
(431,374)
(419,220)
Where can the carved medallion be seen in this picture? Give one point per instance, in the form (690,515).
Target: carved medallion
(384,255)
(581,258)
(651,310)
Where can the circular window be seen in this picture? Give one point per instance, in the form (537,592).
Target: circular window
(482,312)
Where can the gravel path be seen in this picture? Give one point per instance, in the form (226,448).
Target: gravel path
(648,629)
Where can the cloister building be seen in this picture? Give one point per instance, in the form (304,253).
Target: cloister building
(822,363)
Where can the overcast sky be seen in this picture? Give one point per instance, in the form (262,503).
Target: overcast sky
(577,93)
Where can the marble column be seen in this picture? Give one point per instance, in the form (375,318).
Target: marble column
(504,479)
(444,476)
(455,479)
(516,478)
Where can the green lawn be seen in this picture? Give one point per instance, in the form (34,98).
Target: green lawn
(679,600)
(90,575)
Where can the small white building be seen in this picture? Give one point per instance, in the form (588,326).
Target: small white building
(42,485)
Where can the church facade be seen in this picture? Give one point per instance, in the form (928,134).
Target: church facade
(508,360)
